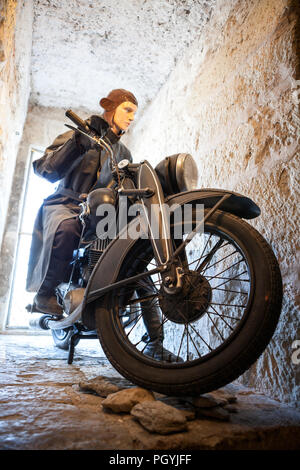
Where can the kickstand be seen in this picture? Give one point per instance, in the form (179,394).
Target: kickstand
(73,339)
(78,334)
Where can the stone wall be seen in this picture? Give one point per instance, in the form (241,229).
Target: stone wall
(15,50)
(233,103)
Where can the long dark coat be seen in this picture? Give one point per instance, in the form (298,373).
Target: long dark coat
(78,172)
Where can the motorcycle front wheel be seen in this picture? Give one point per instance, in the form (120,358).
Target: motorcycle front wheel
(216,327)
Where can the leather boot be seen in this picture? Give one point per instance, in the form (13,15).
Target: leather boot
(155,350)
(48,304)
(45,300)
(154,337)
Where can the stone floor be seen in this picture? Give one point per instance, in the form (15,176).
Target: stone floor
(43,408)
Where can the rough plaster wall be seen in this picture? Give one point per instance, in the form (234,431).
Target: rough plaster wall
(98,46)
(15,49)
(233,103)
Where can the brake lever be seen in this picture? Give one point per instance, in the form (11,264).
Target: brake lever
(93,137)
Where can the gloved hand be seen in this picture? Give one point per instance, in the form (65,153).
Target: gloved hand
(83,141)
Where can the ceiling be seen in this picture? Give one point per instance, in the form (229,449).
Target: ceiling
(84,48)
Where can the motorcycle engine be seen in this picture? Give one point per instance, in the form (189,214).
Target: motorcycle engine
(88,257)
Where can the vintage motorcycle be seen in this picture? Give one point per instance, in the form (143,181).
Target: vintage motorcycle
(212,280)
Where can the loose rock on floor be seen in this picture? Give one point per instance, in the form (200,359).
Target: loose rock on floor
(124,400)
(98,385)
(158,417)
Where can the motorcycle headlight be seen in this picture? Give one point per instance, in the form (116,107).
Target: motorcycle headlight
(178,173)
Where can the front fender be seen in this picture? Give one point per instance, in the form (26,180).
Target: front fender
(236,204)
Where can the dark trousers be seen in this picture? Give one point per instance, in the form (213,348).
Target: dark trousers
(66,240)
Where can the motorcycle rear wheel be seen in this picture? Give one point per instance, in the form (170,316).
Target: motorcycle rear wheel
(220,324)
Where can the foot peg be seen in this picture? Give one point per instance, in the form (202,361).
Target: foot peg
(40,322)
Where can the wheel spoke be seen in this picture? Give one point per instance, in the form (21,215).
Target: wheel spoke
(203,251)
(224,315)
(222,259)
(136,322)
(191,274)
(228,305)
(199,354)
(210,255)
(215,327)
(224,270)
(221,316)
(178,354)
(187,341)
(229,290)
(198,334)
(234,278)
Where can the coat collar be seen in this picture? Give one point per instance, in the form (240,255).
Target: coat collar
(98,124)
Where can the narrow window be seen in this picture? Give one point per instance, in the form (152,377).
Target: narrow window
(36,189)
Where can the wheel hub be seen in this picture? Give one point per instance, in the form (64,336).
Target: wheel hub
(190,303)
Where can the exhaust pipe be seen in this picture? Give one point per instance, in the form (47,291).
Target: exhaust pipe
(40,322)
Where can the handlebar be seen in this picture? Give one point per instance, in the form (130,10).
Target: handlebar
(76,119)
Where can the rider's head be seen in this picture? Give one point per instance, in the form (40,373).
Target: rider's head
(120,107)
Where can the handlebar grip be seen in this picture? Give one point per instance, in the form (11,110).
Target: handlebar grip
(76,119)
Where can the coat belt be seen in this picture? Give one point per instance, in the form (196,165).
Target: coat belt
(70,193)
